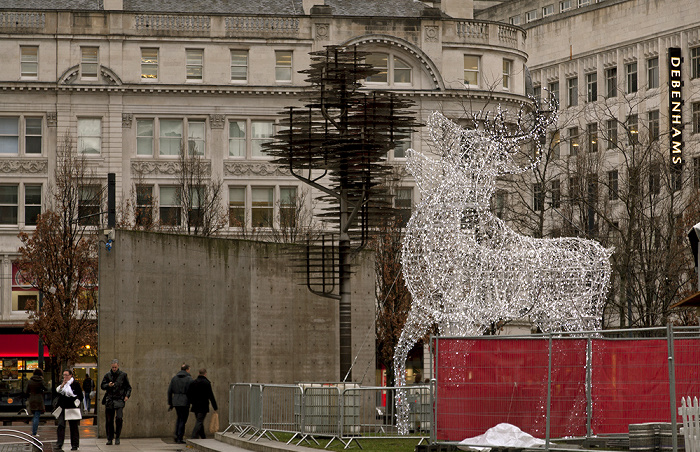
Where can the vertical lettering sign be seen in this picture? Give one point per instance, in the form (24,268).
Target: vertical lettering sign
(675,106)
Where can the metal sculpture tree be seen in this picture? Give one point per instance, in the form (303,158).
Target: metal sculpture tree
(338,145)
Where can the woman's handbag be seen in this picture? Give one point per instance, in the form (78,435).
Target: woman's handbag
(214,422)
(57,412)
(73,414)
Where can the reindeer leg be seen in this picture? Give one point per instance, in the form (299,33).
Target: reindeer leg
(412,330)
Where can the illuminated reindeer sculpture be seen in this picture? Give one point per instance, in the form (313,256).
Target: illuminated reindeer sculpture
(466,269)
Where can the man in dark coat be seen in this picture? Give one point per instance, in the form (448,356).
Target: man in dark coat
(177,397)
(199,395)
(36,389)
(69,396)
(117,390)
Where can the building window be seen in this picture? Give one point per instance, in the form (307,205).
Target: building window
(553,88)
(611,133)
(611,82)
(514,20)
(582,3)
(9,135)
(262,207)
(195,138)
(261,133)
(653,73)
(236,139)
(547,11)
(696,173)
(149,64)
(402,71)
(170,139)
(530,16)
(631,69)
(612,185)
(655,180)
(144,137)
(403,203)
(572,91)
(288,207)
(29,61)
(507,72)
(392,69)
(633,129)
(144,205)
(696,117)
(283,65)
(239,65)
(573,141)
(194,64)
(555,140)
(591,87)
(537,197)
(32,135)
(592,137)
(32,204)
(9,204)
(574,189)
(564,6)
(401,145)
(89,136)
(89,62)
(89,202)
(471,70)
(236,207)
(170,206)
(654,130)
(695,62)
(556,193)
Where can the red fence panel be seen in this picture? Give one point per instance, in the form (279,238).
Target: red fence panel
(482,382)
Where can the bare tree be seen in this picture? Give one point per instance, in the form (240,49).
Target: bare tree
(60,260)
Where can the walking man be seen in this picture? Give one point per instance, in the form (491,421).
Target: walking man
(199,395)
(87,389)
(117,390)
(177,397)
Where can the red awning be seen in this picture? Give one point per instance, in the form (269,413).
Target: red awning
(20,346)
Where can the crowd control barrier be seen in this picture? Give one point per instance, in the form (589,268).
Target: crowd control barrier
(345,412)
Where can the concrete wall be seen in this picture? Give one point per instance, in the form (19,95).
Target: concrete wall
(234,307)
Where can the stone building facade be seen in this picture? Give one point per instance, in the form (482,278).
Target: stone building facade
(129,83)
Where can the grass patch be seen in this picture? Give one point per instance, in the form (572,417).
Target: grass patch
(369,444)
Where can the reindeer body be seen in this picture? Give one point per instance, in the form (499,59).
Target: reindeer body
(466,269)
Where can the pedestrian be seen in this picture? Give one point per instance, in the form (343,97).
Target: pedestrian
(36,388)
(117,389)
(177,397)
(199,395)
(69,396)
(87,389)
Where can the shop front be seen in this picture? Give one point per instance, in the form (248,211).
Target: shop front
(19,356)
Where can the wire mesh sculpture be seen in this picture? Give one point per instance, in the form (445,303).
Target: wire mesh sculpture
(465,268)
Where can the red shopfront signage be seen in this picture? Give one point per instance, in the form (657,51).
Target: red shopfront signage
(20,346)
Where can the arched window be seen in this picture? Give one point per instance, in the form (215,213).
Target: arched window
(392,69)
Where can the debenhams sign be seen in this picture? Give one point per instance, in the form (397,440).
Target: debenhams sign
(675,106)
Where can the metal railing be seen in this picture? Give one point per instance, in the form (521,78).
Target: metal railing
(26,437)
(343,412)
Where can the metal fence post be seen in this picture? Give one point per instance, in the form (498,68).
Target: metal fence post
(672,387)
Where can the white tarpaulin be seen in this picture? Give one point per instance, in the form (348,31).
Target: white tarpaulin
(502,435)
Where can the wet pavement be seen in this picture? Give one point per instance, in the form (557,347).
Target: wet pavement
(88,440)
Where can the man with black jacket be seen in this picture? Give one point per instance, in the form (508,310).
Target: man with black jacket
(177,397)
(117,390)
(199,395)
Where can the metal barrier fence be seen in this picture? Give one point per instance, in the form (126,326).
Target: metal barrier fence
(556,386)
(346,412)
